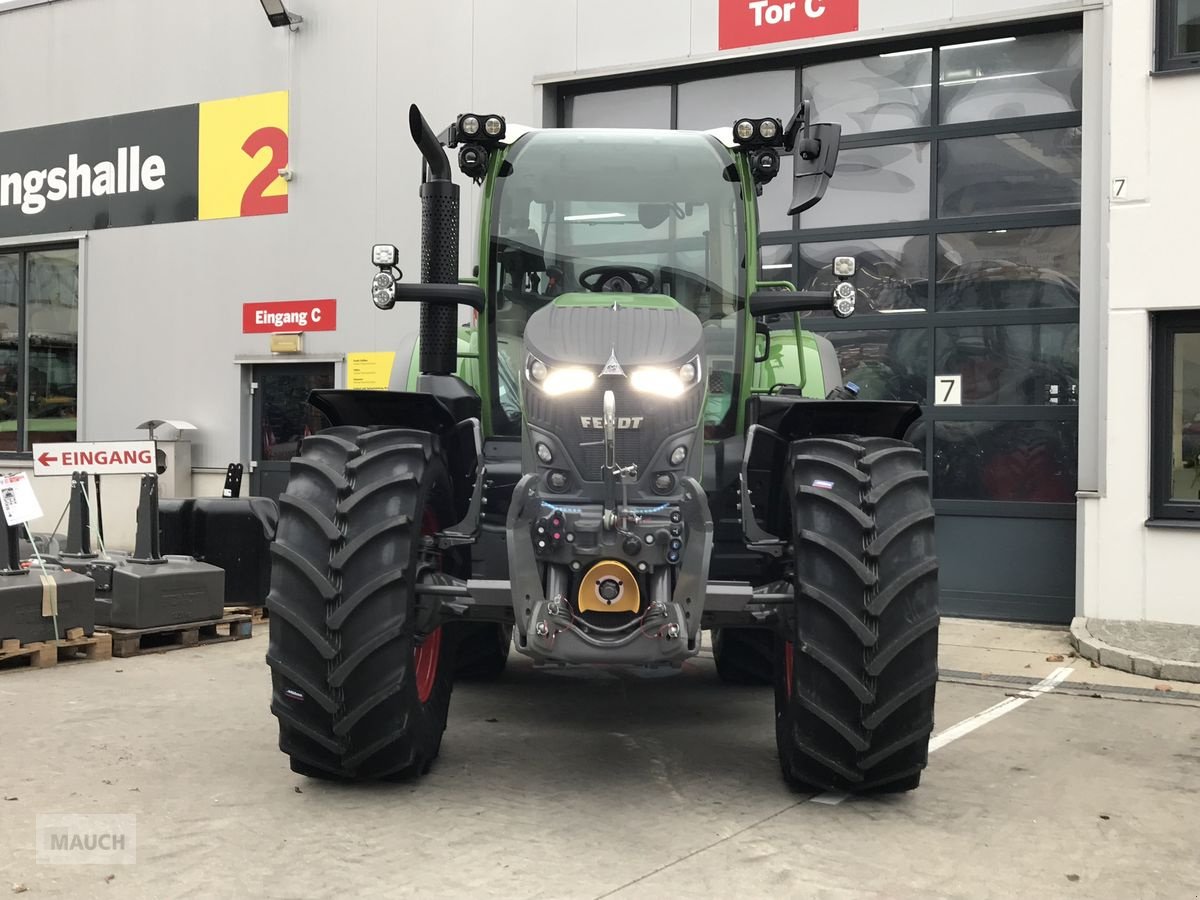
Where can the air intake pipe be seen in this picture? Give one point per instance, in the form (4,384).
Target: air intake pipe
(439,248)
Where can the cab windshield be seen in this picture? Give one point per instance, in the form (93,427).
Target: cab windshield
(643,211)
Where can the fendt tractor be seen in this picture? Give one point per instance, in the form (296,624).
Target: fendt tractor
(630,443)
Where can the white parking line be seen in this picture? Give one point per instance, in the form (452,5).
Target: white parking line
(969,724)
(966,726)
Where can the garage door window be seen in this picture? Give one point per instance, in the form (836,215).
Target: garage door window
(1177,417)
(39,346)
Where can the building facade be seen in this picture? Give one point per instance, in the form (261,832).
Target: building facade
(1012,176)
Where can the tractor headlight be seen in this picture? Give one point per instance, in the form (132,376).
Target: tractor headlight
(663,382)
(744,129)
(768,128)
(555,382)
(568,381)
(493,126)
(383,290)
(470,125)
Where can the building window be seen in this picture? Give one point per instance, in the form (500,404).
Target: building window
(39,346)
(1178,35)
(1176,431)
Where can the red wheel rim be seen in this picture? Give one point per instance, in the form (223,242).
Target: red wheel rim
(787,666)
(427,655)
(425,658)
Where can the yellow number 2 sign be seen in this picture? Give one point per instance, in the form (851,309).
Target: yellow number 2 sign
(243,145)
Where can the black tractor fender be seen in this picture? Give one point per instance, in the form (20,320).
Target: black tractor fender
(450,418)
(777,420)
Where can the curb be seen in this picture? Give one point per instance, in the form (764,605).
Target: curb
(1091,647)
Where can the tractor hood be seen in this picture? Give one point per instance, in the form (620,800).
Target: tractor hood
(590,329)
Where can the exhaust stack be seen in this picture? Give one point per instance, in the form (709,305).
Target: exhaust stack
(439,248)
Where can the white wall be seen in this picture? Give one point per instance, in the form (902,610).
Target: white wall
(1131,571)
(162,304)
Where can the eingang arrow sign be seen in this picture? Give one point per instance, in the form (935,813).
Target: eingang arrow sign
(95,457)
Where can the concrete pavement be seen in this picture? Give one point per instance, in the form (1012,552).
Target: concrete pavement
(596,784)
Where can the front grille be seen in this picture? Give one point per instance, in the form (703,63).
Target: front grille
(660,419)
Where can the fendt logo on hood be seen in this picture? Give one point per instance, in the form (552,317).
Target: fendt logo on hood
(624,423)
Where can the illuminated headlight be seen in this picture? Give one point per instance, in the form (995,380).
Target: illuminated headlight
(544,454)
(537,371)
(493,126)
(470,125)
(744,129)
(567,381)
(383,290)
(661,382)
(768,129)
(844,266)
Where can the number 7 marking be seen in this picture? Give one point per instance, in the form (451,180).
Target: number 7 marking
(952,396)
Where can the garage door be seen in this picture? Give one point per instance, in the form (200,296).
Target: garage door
(958,189)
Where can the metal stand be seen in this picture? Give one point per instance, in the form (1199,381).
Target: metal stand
(79,524)
(147,548)
(10,550)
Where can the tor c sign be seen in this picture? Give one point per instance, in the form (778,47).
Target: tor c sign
(286,316)
(748,23)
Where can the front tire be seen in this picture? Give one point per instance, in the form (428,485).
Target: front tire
(857,668)
(359,691)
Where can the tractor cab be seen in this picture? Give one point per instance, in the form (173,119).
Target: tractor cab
(582,212)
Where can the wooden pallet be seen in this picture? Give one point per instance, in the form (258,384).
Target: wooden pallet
(136,641)
(258,613)
(42,654)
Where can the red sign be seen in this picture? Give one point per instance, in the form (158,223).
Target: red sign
(747,23)
(289,315)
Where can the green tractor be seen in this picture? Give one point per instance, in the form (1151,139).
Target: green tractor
(632,442)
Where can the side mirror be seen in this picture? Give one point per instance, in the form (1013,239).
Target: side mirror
(816,156)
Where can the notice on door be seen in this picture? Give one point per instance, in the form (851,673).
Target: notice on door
(369,371)
(97,458)
(748,23)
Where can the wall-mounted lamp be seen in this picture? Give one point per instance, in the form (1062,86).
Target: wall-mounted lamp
(278,15)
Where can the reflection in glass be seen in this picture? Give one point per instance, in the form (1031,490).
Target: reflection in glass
(287,416)
(776,199)
(893,273)
(879,93)
(889,364)
(1021,365)
(1016,268)
(1185,418)
(648,107)
(52,325)
(719,102)
(775,263)
(10,395)
(1015,461)
(1187,33)
(874,185)
(1010,77)
(1035,171)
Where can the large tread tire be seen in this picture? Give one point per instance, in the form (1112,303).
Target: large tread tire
(744,656)
(856,678)
(481,650)
(344,645)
